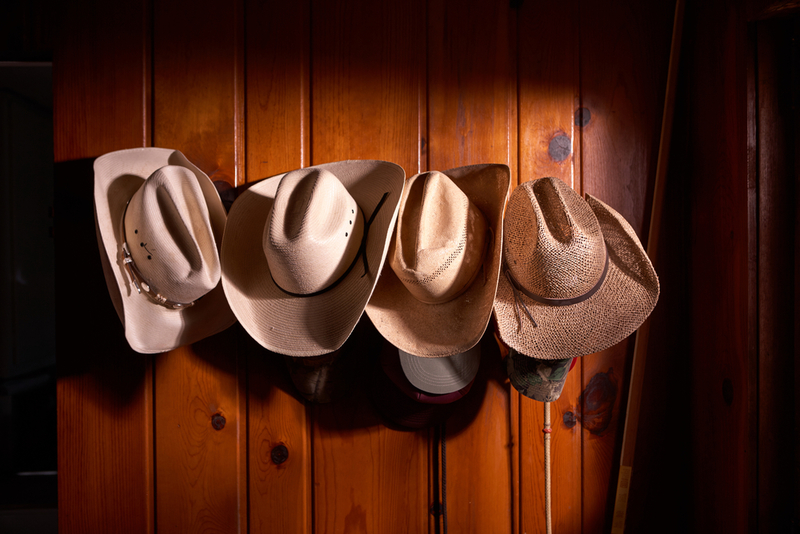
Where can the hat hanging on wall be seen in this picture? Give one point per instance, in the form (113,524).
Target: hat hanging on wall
(541,380)
(302,252)
(435,297)
(321,379)
(575,280)
(441,375)
(404,403)
(159,223)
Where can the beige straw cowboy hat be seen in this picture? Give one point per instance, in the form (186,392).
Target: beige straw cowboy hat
(435,297)
(159,223)
(302,252)
(575,279)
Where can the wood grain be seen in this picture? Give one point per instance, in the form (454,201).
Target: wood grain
(366,91)
(471,85)
(197,100)
(472,119)
(723,381)
(624,57)
(104,388)
(369,474)
(278,83)
(427,85)
(549,137)
(366,101)
(278,127)
(550,118)
(565,447)
(199,469)
(776,230)
(201,472)
(280,493)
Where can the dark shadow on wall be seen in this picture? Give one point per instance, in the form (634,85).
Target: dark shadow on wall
(28,444)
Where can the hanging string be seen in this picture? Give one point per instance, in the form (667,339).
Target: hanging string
(518,300)
(444,479)
(547,430)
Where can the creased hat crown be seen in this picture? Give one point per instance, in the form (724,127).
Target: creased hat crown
(553,243)
(576,278)
(314,231)
(169,235)
(440,240)
(160,222)
(302,251)
(454,323)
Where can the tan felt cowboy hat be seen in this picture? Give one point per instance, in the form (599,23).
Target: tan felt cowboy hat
(159,222)
(575,279)
(435,297)
(302,252)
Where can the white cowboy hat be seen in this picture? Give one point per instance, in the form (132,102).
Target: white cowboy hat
(159,223)
(302,252)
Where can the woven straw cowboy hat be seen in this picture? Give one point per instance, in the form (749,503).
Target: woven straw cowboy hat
(575,280)
(159,223)
(302,252)
(435,297)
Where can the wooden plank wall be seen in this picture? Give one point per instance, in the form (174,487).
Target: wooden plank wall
(249,89)
(720,165)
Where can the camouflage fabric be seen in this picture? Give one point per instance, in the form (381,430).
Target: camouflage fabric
(540,380)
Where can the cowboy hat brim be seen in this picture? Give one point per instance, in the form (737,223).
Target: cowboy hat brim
(621,304)
(435,330)
(314,325)
(149,327)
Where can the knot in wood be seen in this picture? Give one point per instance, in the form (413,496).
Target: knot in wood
(560,148)
(218,421)
(279,454)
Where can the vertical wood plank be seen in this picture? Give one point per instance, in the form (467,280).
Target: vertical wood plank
(280,493)
(199,476)
(723,381)
(471,85)
(776,233)
(472,119)
(278,107)
(366,72)
(549,100)
(368,477)
(277,141)
(662,455)
(201,473)
(549,138)
(624,56)
(365,84)
(101,85)
(196,84)
(750,245)
(796,309)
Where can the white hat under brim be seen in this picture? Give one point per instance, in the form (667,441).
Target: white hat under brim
(441,375)
(435,330)
(149,327)
(306,326)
